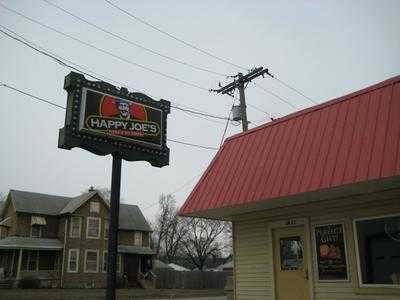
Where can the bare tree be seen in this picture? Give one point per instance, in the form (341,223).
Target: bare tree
(203,240)
(165,216)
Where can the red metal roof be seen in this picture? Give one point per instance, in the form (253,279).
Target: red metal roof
(347,140)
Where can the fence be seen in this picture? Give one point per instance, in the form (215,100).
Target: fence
(170,279)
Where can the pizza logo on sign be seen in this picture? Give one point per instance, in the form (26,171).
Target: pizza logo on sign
(123,118)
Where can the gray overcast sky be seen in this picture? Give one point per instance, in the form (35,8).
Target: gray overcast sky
(324,48)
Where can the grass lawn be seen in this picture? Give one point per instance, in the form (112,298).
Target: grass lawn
(97,294)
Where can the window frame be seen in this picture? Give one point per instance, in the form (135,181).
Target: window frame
(106,222)
(85,270)
(40,231)
(119,260)
(80,227)
(87,228)
(94,203)
(141,238)
(395,287)
(69,260)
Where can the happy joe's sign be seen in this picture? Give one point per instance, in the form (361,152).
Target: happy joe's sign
(121,118)
(104,119)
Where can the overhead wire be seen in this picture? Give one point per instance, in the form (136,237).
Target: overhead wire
(32,96)
(176,190)
(172,36)
(295,90)
(275,95)
(208,53)
(227,124)
(105,51)
(111,53)
(52,103)
(204,118)
(67,63)
(198,68)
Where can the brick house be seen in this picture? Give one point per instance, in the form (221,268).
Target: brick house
(63,241)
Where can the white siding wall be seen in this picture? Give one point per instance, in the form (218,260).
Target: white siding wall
(253,260)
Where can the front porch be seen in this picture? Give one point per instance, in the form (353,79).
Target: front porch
(25,258)
(137,265)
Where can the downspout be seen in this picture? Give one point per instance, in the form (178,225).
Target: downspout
(63,259)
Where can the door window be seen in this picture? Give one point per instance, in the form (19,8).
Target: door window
(291,253)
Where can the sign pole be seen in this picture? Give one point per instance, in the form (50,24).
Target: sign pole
(113,227)
(103,120)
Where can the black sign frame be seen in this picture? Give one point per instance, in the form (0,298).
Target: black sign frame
(74,135)
(331,252)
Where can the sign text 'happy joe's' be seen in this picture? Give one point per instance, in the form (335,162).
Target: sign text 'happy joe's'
(103,119)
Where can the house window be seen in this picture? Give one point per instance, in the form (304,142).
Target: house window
(106,229)
(378,250)
(93,228)
(105,259)
(73,260)
(76,224)
(91,261)
(36,231)
(138,238)
(94,207)
(3,232)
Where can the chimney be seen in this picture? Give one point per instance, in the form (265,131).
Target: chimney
(91,189)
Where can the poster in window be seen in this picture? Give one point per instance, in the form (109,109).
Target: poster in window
(331,252)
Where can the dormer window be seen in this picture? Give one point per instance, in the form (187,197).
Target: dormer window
(94,207)
(138,238)
(36,226)
(36,231)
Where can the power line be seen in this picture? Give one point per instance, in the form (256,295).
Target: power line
(173,36)
(203,118)
(56,59)
(176,190)
(2,84)
(62,61)
(133,43)
(105,51)
(295,90)
(32,96)
(227,123)
(202,114)
(130,14)
(194,145)
(275,95)
(257,108)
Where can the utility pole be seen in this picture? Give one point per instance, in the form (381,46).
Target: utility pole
(239,83)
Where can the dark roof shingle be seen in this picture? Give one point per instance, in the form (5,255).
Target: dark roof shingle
(130,216)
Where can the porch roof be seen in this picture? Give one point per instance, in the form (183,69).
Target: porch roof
(6,222)
(29,243)
(135,250)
